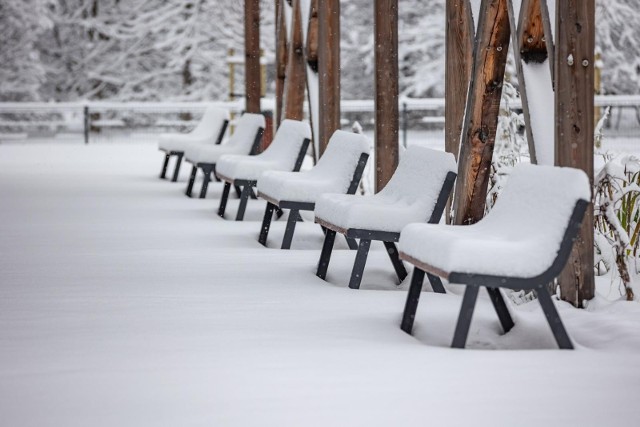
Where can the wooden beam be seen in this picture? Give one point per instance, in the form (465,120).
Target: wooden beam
(574,64)
(311,48)
(483,107)
(532,44)
(458,63)
(252,55)
(294,87)
(386,90)
(548,36)
(328,69)
(281,57)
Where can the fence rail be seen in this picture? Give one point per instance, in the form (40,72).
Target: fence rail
(106,116)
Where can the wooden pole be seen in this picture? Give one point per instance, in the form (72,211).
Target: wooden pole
(252,55)
(574,64)
(328,69)
(483,107)
(460,33)
(232,74)
(458,64)
(311,49)
(386,90)
(294,87)
(281,57)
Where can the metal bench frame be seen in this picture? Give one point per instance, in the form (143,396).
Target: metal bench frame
(389,239)
(180,155)
(209,169)
(245,186)
(295,208)
(494,283)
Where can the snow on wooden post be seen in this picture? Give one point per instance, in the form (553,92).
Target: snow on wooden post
(386,90)
(294,86)
(531,57)
(328,69)
(252,55)
(574,62)
(281,57)
(483,106)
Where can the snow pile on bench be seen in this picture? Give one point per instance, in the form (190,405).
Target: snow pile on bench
(332,174)
(280,155)
(206,132)
(239,143)
(409,196)
(521,235)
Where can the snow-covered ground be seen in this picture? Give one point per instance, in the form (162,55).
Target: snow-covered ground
(123,303)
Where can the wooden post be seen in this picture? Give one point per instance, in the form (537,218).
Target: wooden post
(294,87)
(574,64)
(328,69)
(458,64)
(483,107)
(232,74)
(281,58)
(460,33)
(311,49)
(252,55)
(386,90)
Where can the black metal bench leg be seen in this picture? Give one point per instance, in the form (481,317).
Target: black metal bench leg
(360,262)
(223,199)
(464,318)
(436,284)
(413,298)
(352,243)
(244,198)
(253,194)
(398,266)
(192,180)
(205,182)
(325,255)
(279,213)
(165,165)
(238,190)
(266,224)
(290,229)
(550,312)
(176,171)
(501,309)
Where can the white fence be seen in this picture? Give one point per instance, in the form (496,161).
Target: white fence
(94,119)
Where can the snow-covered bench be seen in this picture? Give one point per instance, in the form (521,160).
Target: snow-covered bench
(245,140)
(523,243)
(285,153)
(339,170)
(210,130)
(417,192)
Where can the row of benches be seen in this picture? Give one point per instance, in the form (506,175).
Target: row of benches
(523,243)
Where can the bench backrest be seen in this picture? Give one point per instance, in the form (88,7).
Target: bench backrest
(246,129)
(287,142)
(538,203)
(419,178)
(342,156)
(211,123)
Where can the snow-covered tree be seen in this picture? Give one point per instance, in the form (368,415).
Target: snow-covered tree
(176,49)
(21,71)
(617,35)
(144,50)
